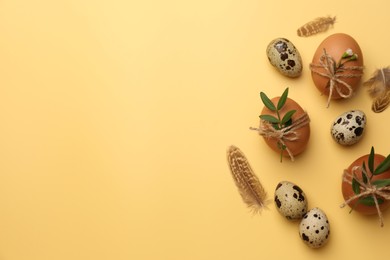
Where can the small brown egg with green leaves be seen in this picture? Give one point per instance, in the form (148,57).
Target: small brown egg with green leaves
(370,172)
(284,125)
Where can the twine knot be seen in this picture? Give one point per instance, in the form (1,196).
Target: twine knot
(372,189)
(288,133)
(332,72)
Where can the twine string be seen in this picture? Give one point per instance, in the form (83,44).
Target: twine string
(284,134)
(332,72)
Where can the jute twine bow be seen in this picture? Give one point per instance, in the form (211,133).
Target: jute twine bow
(335,79)
(367,189)
(288,133)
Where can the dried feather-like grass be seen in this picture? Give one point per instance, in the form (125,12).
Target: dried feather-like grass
(379,89)
(320,24)
(249,186)
(381,103)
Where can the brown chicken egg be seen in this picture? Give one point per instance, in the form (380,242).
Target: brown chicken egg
(337,66)
(303,134)
(347,189)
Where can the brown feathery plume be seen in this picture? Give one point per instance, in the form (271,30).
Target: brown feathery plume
(249,186)
(320,24)
(379,89)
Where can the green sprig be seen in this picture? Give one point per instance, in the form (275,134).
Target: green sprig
(348,55)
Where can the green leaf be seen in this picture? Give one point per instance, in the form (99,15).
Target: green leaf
(288,123)
(383,166)
(353,57)
(355,186)
(364,173)
(355,204)
(287,116)
(371,160)
(283,99)
(369,201)
(381,183)
(270,119)
(281,146)
(345,55)
(267,102)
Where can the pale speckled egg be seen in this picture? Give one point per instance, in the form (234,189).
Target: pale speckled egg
(314,228)
(348,128)
(290,200)
(283,55)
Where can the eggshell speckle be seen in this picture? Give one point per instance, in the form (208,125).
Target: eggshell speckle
(283,55)
(348,128)
(314,228)
(290,200)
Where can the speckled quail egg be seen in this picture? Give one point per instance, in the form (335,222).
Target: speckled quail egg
(314,228)
(348,128)
(283,55)
(290,200)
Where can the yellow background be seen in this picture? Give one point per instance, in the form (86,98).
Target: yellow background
(116,115)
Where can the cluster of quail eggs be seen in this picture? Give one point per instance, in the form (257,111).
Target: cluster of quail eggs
(291,202)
